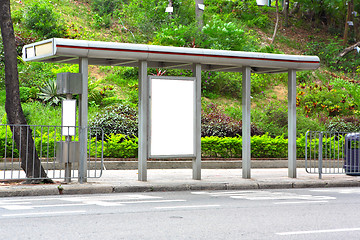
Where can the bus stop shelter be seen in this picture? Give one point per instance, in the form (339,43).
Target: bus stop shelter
(86,53)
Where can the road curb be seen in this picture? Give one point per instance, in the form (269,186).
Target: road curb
(74,189)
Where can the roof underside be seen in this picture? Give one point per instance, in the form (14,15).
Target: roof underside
(124,54)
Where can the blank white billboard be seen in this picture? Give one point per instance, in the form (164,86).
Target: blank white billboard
(172,116)
(68,117)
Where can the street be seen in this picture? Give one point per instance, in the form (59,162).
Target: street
(327,213)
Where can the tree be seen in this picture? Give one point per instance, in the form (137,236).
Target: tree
(286,12)
(30,161)
(277,22)
(348,17)
(199,14)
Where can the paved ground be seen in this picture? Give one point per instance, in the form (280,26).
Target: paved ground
(181,180)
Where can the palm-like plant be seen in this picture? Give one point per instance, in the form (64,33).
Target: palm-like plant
(49,95)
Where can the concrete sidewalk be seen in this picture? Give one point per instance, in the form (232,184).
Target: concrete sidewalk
(181,180)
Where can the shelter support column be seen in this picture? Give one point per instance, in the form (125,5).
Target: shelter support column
(143,121)
(292,123)
(83,119)
(246,121)
(197,137)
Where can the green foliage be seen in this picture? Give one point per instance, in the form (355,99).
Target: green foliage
(28,94)
(344,124)
(104,7)
(40,114)
(117,120)
(101,21)
(214,84)
(178,35)
(351,90)
(328,52)
(325,12)
(143,16)
(35,74)
(100,95)
(6,143)
(267,147)
(41,17)
(334,98)
(219,34)
(253,15)
(120,146)
(216,123)
(49,95)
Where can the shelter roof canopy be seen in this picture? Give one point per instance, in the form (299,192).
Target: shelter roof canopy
(57,50)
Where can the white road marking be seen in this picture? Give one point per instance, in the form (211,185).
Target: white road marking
(16,207)
(265,195)
(41,213)
(303,202)
(319,231)
(185,207)
(341,190)
(154,201)
(103,203)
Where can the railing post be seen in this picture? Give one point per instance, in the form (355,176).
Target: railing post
(320,164)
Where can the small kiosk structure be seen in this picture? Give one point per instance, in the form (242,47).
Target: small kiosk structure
(153,92)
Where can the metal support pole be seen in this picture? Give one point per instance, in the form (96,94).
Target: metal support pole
(143,121)
(246,121)
(83,120)
(197,138)
(68,164)
(292,123)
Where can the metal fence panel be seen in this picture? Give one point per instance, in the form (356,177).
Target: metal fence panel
(332,152)
(48,141)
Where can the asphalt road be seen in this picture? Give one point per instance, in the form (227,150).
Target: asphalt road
(331,213)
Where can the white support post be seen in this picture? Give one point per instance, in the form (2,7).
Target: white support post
(246,121)
(197,137)
(143,121)
(292,123)
(83,120)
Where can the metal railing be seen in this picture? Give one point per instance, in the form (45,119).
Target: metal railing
(332,153)
(49,142)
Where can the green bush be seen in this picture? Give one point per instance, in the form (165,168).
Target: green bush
(227,147)
(222,35)
(178,35)
(104,7)
(120,146)
(27,93)
(343,124)
(216,123)
(41,17)
(117,120)
(267,147)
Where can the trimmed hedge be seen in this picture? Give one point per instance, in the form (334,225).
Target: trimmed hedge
(122,146)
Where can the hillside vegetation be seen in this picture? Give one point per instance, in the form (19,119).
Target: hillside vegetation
(327,98)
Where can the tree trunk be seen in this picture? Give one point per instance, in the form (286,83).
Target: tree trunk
(199,14)
(286,12)
(30,161)
(277,22)
(348,16)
